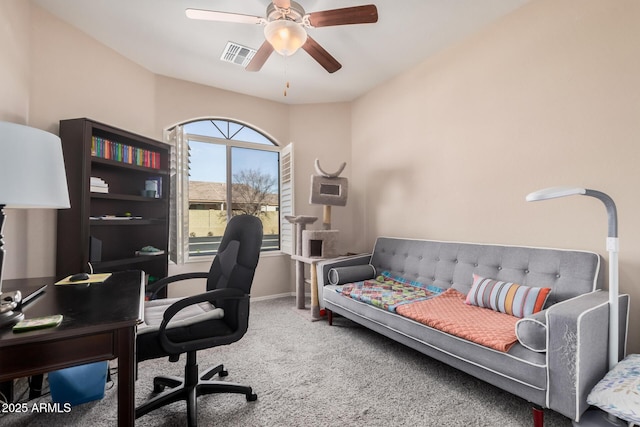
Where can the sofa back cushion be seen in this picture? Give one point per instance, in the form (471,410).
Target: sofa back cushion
(452,264)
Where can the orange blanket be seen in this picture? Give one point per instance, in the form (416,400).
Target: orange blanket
(449,313)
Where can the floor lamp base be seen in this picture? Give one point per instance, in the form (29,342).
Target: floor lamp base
(597,417)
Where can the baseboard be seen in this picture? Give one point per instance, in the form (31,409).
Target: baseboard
(286,294)
(268,297)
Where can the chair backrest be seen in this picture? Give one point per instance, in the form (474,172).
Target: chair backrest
(235,264)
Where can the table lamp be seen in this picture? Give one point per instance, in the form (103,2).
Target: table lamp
(32,176)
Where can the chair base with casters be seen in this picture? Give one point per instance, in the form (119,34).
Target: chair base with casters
(190,387)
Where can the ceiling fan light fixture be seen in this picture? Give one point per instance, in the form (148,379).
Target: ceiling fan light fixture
(285,36)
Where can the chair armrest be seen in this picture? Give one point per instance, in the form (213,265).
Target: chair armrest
(323,267)
(162,283)
(177,347)
(577,349)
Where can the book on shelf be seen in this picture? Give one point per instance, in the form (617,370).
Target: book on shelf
(95,189)
(98,182)
(98,185)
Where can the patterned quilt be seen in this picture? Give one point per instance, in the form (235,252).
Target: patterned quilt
(449,313)
(388,292)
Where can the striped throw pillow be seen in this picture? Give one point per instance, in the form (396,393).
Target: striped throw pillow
(506,297)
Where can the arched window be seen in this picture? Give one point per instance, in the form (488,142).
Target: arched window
(223,168)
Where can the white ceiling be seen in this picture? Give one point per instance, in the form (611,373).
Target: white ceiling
(157,35)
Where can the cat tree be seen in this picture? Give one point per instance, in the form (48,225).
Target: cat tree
(327,189)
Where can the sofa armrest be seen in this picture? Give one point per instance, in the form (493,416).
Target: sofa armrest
(323,267)
(577,349)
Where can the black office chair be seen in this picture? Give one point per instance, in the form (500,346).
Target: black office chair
(217,317)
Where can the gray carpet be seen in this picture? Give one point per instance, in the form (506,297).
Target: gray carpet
(310,374)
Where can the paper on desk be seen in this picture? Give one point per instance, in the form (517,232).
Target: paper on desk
(93,278)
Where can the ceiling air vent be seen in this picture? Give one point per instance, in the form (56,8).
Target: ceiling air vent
(237,54)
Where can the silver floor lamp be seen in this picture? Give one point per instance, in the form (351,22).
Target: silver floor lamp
(596,418)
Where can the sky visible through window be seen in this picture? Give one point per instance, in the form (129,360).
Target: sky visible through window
(208,161)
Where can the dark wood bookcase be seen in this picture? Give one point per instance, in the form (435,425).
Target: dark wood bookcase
(125,219)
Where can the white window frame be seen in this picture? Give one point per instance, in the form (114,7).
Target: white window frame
(179,178)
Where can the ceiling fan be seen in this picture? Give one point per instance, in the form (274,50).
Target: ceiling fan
(285,31)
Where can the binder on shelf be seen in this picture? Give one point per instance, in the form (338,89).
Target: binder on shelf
(95,249)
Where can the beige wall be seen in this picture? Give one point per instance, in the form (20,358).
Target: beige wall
(548,96)
(74,76)
(15,69)
(323,132)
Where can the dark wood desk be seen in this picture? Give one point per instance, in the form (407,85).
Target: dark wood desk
(99,324)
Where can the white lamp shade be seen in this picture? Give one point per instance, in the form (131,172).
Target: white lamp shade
(554,192)
(285,36)
(32,173)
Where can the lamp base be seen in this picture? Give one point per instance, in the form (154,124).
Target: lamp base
(10,318)
(596,417)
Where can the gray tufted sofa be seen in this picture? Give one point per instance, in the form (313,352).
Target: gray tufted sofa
(562,351)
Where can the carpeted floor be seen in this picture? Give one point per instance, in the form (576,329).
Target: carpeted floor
(310,374)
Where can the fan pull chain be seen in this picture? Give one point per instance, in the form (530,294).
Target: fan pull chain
(286,86)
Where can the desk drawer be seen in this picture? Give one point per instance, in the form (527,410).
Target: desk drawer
(37,358)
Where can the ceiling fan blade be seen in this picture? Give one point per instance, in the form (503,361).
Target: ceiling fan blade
(367,14)
(282,4)
(212,15)
(323,57)
(260,57)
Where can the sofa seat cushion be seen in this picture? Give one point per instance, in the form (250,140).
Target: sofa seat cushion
(518,365)
(449,313)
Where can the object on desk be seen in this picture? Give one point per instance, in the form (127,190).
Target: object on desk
(79,384)
(149,250)
(38,323)
(33,295)
(78,277)
(93,278)
(14,298)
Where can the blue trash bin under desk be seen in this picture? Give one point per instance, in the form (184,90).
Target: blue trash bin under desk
(79,384)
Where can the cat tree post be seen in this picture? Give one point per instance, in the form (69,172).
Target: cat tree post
(326,217)
(299,224)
